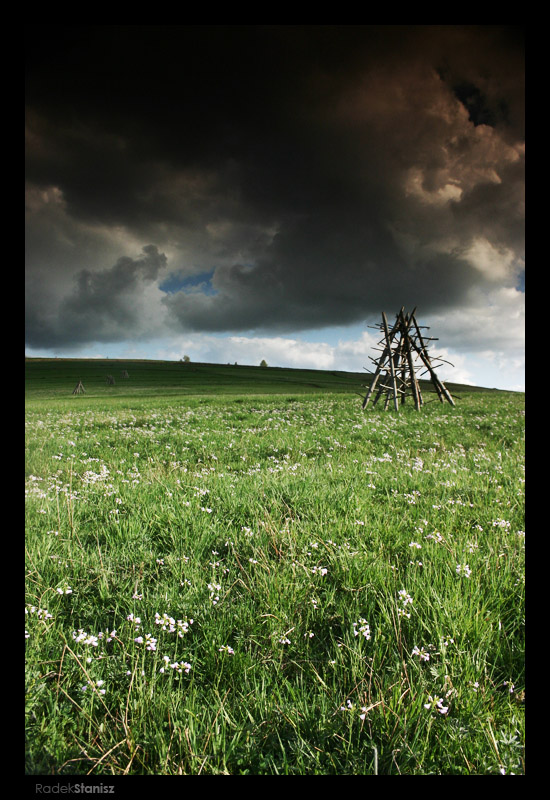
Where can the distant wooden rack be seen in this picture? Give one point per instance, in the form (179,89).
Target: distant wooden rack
(404,354)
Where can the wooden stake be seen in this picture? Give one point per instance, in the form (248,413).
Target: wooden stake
(408,355)
(380,362)
(440,387)
(392,371)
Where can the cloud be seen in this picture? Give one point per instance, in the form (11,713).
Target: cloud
(317,174)
(397,198)
(278,351)
(107,305)
(493,262)
(492,321)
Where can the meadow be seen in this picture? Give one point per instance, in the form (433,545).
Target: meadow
(239,571)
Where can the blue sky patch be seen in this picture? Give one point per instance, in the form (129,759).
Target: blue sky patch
(201,282)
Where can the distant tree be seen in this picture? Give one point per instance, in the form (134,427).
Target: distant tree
(185,359)
(264,363)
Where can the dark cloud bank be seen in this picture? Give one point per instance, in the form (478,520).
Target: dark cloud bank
(315,174)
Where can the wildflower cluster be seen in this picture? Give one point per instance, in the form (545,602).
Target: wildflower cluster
(436,536)
(41,613)
(214,588)
(107,635)
(170,625)
(82,637)
(95,686)
(406,600)
(463,569)
(361,627)
(349,706)
(177,666)
(149,641)
(421,653)
(436,704)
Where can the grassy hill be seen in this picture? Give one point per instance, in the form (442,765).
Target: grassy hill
(58,377)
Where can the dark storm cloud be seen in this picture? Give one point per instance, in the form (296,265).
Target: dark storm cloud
(104,306)
(319,173)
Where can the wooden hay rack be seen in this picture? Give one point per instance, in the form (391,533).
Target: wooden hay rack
(404,354)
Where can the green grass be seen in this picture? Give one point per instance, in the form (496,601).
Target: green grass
(57,377)
(281,522)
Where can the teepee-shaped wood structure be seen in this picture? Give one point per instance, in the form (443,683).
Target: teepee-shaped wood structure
(79,388)
(404,352)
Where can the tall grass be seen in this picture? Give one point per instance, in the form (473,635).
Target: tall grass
(274,585)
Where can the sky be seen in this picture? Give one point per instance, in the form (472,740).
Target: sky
(238,193)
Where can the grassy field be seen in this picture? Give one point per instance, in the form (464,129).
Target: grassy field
(237,570)
(57,377)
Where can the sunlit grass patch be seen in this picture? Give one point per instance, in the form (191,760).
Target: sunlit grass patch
(275,587)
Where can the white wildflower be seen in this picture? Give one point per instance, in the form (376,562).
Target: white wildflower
(361,627)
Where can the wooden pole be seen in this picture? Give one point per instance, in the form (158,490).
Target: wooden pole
(372,386)
(408,354)
(379,368)
(440,387)
(426,359)
(392,371)
(379,393)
